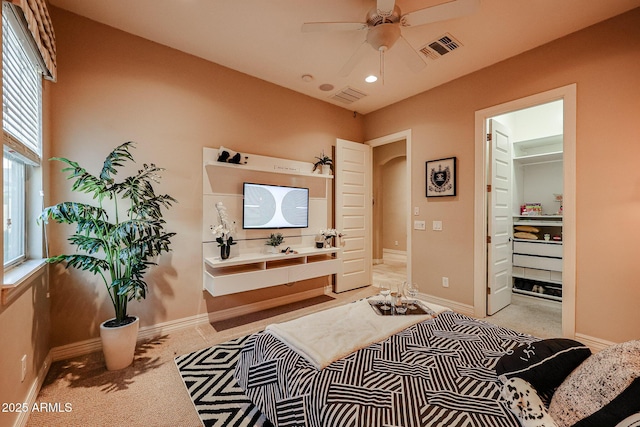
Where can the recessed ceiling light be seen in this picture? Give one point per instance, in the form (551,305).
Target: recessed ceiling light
(326,87)
(371,79)
(307,78)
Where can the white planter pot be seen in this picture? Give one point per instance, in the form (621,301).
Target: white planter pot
(273,249)
(119,344)
(326,169)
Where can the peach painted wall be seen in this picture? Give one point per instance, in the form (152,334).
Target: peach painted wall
(607,75)
(114,87)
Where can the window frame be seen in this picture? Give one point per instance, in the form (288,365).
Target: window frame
(27,153)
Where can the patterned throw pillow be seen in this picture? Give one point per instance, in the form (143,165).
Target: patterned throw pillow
(525,403)
(602,391)
(543,364)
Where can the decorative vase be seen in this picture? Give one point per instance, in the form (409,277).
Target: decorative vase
(119,343)
(326,169)
(273,249)
(225,250)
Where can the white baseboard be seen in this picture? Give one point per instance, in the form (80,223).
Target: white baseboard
(595,344)
(34,390)
(148,332)
(465,309)
(394,255)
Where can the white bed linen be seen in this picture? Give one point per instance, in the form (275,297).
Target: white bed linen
(329,335)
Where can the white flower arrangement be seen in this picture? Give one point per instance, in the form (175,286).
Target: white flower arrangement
(325,235)
(329,232)
(223,231)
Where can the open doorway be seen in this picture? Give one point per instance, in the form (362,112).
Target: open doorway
(389,164)
(484,285)
(391,198)
(524,212)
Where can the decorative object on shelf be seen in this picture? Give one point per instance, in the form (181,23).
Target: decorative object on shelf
(223,231)
(275,240)
(225,155)
(327,235)
(558,199)
(531,209)
(441,177)
(320,241)
(325,162)
(120,252)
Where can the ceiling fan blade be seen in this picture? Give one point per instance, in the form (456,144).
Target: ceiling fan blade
(441,12)
(412,58)
(385,7)
(309,27)
(354,60)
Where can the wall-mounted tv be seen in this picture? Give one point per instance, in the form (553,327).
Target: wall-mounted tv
(274,206)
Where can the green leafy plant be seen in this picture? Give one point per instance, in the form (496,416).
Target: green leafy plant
(121,250)
(275,239)
(323,159)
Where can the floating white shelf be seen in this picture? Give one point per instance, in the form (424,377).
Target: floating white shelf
(256,162)
(258,270)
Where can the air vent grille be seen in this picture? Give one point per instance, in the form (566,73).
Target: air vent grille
(348,95)
(440,47)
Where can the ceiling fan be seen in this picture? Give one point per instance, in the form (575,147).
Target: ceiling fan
(383,25)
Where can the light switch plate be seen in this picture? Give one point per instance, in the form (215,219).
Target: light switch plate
(437,225)
(419,225)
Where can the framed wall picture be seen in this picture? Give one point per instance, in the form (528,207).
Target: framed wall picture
(441,177)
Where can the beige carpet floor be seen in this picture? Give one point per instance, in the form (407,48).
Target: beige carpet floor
(151,392)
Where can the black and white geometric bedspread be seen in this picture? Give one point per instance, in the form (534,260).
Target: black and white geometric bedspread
(436,373)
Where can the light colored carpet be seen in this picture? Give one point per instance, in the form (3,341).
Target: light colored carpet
(151,392)
(531,315)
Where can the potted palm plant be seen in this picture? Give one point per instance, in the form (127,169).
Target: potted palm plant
(118,248)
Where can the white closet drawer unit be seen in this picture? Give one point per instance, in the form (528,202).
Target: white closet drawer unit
(539,262)
(535,274)
(543,249)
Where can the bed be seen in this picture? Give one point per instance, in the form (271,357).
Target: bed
(328,369)
(438,372)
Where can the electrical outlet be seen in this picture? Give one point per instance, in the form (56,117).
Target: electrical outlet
(437,225)
(445,282)
(23,368)
(395,243)
(416,210)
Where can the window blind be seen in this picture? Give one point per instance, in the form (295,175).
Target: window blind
(21,95)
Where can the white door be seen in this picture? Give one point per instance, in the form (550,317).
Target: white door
(353,213)
(499,218)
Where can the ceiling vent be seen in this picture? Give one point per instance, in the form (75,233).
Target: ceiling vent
(348,95)
(440,47)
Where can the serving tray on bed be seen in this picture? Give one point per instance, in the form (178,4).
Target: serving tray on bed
(420,308)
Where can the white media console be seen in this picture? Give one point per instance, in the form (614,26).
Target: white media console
(257,270)
(249,267)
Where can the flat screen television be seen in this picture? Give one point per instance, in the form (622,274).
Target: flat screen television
(274,206)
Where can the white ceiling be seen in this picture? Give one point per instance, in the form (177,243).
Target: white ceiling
(263,38)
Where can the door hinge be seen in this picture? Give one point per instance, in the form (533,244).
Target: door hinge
(489,188)
(488,290)
(488,239)
(489,137)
